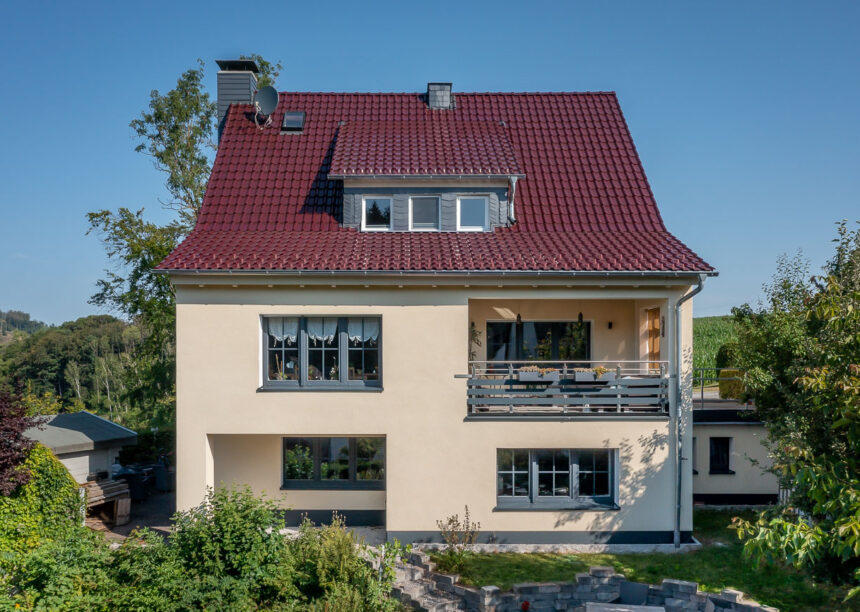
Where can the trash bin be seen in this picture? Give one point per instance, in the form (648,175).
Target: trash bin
(136,484)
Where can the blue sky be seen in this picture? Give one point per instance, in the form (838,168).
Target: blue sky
(746,114)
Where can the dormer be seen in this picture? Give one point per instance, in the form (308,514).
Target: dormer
(432,172)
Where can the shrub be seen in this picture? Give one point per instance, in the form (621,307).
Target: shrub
(48,507)
(226,554)
(457,535)
(14,446)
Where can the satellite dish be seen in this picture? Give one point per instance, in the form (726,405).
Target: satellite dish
(266,100)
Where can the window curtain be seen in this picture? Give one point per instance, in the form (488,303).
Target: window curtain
(320,329)
(282,328)
(363,330)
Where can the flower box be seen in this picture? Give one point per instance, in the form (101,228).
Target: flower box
(608,376)
(583,376)
(533,376)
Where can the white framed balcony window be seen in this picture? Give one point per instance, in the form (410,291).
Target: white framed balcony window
(472,214)
(376,214)
(425,214)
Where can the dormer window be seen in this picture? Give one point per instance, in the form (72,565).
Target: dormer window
(376,215)
(424,214)
(471,214)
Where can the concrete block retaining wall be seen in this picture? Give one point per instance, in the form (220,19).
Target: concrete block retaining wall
(599,585)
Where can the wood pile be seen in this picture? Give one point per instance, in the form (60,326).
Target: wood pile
(111,498)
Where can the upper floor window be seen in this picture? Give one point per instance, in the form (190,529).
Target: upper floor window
(555,478)
(424,213)
(471,214)
(322,352)
(376,214)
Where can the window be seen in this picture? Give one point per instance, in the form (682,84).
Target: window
(538,340)
(322,352)
(471,214)
(555,478)
(376,214)
(720,456)
(334,463)
(424,213)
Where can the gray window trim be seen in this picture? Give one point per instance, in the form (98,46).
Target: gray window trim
(303,384)
(318,484)
(574,502)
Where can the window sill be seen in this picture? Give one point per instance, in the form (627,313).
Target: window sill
(577,506)
(722,472)
(320,387)
(334,485)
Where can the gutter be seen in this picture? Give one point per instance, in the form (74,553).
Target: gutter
(443,273)
(678,358)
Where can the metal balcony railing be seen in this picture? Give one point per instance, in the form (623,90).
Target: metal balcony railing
(567,387)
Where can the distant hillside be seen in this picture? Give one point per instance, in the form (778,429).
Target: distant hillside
(16,320)
(709,334)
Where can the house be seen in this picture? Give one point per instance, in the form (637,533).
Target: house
(730,459)
(396,305)
(85,443)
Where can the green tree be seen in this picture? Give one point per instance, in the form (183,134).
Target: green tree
(801,353)
(177,131)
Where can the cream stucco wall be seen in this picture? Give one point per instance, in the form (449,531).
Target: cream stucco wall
(229,431)
(746,448)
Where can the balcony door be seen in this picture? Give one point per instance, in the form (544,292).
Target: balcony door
(538,341)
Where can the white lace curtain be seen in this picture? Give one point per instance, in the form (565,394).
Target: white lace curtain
(282,328)
(321,329)
(363,330)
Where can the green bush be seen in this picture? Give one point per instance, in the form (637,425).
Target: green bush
(48,507)
(226,554)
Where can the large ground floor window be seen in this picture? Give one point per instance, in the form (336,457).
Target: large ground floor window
(538,340)
(555,478)
(334,463)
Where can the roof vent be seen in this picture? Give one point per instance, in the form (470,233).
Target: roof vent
(439,95)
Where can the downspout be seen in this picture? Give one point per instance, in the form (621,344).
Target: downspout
(511,215)
(678,360)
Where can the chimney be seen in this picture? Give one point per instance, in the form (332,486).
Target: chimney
(237,83)
(439,96)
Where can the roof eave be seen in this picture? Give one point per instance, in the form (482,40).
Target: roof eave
(447,273)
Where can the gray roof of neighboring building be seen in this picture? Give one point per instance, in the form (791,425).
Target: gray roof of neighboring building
(80,431)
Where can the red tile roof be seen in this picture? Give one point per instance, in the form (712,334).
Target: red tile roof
(440,145)
(584,204)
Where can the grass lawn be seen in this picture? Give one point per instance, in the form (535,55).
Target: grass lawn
(720,564)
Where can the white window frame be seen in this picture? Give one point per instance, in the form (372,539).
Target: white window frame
(364,226)
(474,228)
(438,227)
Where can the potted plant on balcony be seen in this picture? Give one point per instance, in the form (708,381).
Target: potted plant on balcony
(583,374)
(602,373)
(537,374)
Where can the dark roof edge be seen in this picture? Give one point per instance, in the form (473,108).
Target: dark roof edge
(452,273)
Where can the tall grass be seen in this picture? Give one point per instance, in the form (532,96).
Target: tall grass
(709,334)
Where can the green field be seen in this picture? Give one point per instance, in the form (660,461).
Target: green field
(709,334)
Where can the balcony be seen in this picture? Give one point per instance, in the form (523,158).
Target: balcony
(550,389)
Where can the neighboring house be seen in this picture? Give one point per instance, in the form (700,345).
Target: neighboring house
(85,443)
(388,300)
(730,460)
